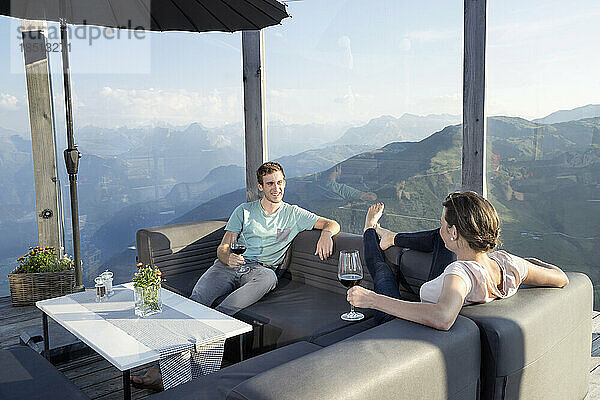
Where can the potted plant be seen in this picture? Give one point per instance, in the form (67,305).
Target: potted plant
(146,286)
(41,274)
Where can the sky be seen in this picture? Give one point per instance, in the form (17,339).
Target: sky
(334,61)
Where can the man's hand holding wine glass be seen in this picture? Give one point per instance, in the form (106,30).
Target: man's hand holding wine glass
(358,296)
(235,260)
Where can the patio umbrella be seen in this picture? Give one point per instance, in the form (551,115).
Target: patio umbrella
(151,15)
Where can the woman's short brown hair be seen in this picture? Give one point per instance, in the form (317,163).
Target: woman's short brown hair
(270,167)
(475,218)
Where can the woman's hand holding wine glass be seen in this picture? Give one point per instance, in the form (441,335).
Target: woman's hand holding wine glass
(350,273)
(361,297)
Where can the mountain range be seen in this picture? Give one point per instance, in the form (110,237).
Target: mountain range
(543,179)
(386,129)
(156,175)
(587,111)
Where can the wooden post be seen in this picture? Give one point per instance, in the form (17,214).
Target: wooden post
(254,103)
(41,119)
(474,118)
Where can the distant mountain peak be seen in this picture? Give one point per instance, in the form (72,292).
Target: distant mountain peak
(387,129)
(587,111)
(195,126)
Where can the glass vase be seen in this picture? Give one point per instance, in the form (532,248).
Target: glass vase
(147,300)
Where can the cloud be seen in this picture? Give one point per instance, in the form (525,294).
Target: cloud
(404,44)
(534,28)
(139,106)
(8,102)
(430,36)
(350,98)
(454,96)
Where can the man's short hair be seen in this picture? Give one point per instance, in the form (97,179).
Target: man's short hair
(267,168)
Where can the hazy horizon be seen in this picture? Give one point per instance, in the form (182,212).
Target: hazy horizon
(339,62)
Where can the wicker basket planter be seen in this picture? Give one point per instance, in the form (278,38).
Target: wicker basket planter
(26,289)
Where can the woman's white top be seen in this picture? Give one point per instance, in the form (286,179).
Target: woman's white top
(478,280)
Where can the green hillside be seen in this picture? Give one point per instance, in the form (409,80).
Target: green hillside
(543,179)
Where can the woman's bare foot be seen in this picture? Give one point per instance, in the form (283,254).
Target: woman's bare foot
(387,237)
(150,380)
(373,214)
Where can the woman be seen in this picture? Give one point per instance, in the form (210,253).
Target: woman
(470,229)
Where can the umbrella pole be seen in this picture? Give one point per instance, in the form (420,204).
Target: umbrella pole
(72,156)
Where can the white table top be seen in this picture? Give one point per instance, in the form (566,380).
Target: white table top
(121,349)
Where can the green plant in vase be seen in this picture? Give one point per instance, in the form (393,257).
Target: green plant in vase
(146,284)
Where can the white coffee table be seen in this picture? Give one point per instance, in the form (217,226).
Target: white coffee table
(114,344)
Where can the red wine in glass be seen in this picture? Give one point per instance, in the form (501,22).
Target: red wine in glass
(350,280)
(238,249)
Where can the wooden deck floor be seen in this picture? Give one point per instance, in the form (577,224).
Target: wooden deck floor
(95,376)
(99,379)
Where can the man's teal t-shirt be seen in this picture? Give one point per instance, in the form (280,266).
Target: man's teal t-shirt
(268,236)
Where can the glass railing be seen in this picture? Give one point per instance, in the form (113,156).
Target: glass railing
(544,134)
(377,92)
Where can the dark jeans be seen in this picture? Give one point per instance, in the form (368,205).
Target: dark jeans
(384,280)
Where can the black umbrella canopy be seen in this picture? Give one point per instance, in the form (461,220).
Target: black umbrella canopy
(153,15)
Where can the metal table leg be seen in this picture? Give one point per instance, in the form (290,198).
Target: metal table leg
(241,347)
(46,335)
(127,385)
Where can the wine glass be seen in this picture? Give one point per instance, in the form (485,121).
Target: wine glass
(350,273)
(239,247)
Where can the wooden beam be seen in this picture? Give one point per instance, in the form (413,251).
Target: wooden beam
(41,120)
(254,106)
(474,117)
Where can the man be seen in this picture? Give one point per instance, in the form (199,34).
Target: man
(269,225)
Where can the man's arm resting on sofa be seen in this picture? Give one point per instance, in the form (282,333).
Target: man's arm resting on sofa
(329,228)
(224,253)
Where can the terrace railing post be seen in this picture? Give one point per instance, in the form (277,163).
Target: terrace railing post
(43,141)
(474,118)
(254,108)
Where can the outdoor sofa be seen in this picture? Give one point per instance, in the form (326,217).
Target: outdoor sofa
(534,345)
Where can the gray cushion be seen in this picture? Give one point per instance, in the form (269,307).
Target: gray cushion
(345,332)
(396,360)
(294,312)
(180,248)
(539,335)
(24,374)
(415,267)
(216,386)
(183,283)
(307,268)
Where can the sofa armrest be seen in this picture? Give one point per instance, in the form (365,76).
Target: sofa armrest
(396,360)
(178,249)
(306,268)
(175,237)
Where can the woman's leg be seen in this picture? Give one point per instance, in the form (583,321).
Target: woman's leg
(384,280)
